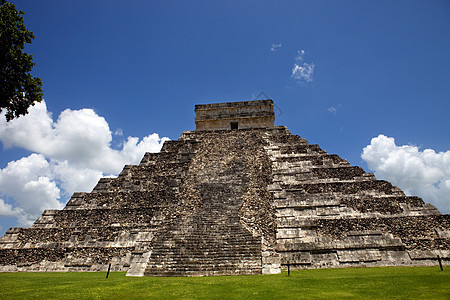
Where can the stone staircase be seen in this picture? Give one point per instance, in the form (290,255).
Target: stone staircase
(210,242)
(209,237)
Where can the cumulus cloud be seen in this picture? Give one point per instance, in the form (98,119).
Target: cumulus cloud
(275,47)
(69,155)
(6,210)
(423,173)
(302,71)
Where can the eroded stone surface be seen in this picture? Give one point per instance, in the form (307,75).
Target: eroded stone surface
(224,202)
(235,115)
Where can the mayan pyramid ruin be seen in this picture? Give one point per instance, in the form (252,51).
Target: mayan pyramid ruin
(238,195)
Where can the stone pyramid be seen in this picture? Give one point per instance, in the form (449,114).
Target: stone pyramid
(236,196)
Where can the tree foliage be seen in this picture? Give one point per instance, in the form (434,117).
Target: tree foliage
(18,88)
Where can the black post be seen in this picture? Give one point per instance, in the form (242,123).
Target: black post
(109,268)
(440,263)
(289,269)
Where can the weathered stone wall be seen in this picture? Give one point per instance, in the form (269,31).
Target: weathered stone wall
(330,214)
(245,114)
(244,201)
(108,225)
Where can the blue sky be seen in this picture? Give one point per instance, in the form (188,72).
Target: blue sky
(341,73)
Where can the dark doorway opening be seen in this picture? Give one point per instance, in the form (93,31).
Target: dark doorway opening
(234,125)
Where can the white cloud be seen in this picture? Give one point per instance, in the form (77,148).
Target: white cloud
(74,179)
(300,54)
(70,155)
(423,173)
(332,109)
(118,132)
(302,71)
(275,47)
(6,210)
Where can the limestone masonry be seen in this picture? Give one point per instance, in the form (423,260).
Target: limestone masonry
(237,196)
(235,115)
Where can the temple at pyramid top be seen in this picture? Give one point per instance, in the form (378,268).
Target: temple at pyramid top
(235,115)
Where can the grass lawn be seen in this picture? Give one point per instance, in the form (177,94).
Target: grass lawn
(384,283)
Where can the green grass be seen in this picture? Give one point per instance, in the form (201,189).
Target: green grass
(384,283)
